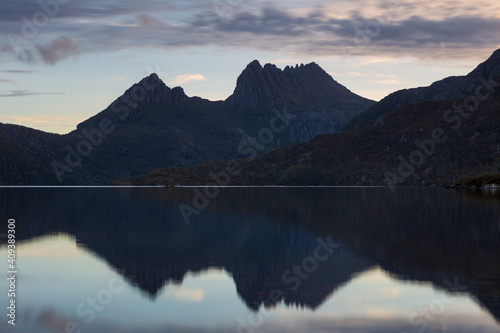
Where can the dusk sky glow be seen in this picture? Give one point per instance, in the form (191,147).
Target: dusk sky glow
(63,61)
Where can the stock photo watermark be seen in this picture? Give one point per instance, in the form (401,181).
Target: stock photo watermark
(367,31)
(428,147)
(92,306)
(11,271)
(226,8)
(249,148)
(293,279)
(95,137)
(422,318)
(20,42)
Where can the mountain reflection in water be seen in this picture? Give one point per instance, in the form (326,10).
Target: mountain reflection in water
(292,245)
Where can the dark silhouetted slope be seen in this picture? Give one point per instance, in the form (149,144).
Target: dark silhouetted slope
(447,89)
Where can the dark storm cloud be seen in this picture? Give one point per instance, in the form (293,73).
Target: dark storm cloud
(314,30)
(275,30)
(466,30)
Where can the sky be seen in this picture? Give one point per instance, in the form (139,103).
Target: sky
(62,61)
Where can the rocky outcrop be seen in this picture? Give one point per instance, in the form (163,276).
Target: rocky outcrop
(318,104)
(308,86)
(152,90)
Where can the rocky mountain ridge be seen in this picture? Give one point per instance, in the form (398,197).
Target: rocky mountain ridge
(432,143)
(152,125)
(261,88)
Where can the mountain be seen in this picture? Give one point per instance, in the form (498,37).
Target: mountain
(427,143)
(261,88)
(305,87)
(447,89)
(152,126)
(413,145)
(156,125)
(26,155)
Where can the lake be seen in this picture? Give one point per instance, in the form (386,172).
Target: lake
(274,259)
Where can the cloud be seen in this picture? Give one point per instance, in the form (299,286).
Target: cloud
(150,22)
(275,30)
(182,79)
(372,77)
(59,49)
(6,81)
(50,53)
(15,11)
(348,74)
(424,29)
(24,93)
(357,35)
(389,81)
(364,75)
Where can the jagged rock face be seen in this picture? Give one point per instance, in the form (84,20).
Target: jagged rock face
(319,104)
(449,88)
(152,90)
(264,88)
(157,126)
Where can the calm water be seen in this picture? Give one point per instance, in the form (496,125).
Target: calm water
(253,260)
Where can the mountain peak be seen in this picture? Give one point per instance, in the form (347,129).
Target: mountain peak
(254,65)
(496,55)
(264,88)
(270,67)
(152,90)
(151,80)
(154,76)
(313,65)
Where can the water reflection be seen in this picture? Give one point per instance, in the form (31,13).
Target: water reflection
(293,246)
